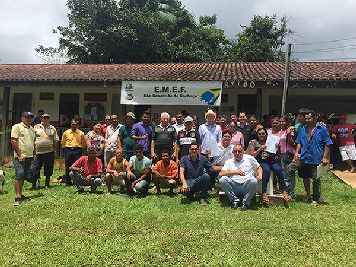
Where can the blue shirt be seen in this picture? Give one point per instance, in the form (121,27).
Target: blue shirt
(194,168)
(312,152)
(209,135)
(140,129)
(139,166)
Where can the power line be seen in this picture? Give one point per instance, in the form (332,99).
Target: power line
(329,49)
(331,41)
(327,59)
(324,50)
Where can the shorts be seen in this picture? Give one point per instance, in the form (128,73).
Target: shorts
(25,170)
(348,152)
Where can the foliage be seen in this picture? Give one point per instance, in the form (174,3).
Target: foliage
(61,228)
(104,31)
(262,40)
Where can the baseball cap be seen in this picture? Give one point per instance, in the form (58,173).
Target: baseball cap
(188,119)
(130,114)
(27,114)
(46,115)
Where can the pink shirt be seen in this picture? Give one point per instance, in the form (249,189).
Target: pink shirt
(237,138)
(285,147)
(89,168)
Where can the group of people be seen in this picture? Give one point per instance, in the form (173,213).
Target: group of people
(233,155)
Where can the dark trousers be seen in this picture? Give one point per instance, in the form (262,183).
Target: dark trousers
(306,171)
(70,156)
(46,161)
(199,184)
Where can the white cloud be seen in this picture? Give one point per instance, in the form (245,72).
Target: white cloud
(25,24)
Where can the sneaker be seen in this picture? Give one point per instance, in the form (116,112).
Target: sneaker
(80,191)
(203,202)
(93,190)
(235,205)
(23,197)
(17,201)
(244,207)
(170,192)
(314,203)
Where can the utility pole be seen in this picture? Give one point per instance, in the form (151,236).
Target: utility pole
(286,79)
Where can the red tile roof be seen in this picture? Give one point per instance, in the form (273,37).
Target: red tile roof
(259,71)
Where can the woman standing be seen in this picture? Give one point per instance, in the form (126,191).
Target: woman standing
(265,154)
(95,140)
(286,142)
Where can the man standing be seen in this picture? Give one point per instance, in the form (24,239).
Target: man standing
(165,173)
(343,134)
(125,142)
(193,174)
(238,180)
(313,144)
(210,134)
(186,137)
(142,133)
(163,138)
(111,139)
(179,125)
(39,116)
(244,128)
(87,171)
(23,144)
(139,172)
(73,142)
(46,148)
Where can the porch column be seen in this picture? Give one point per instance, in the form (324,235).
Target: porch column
(259,103)
(5,117)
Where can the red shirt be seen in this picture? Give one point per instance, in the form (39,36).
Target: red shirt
(344,133)
(90,168)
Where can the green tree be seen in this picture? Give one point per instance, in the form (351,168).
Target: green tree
(137,31)
(262,40)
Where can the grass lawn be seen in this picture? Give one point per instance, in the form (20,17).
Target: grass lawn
(59,227)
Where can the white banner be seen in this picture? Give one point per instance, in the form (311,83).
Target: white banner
(171,93)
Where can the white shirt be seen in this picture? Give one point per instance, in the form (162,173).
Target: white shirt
(111,137)
(178,127)
(224,155)
(210,136)
(247,164)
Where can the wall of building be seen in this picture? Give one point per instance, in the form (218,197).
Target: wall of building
(327,100)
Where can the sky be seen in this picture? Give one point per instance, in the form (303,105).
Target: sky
(25,24)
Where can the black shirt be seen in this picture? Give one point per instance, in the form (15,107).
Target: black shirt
(246,132)
(164,138)
(185,138)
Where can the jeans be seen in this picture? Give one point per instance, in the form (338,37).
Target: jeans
(311,169)
(79,181)
(70,156)
(141,187)
(286,159)
(235,190)
(200,184)
(24,170)
(275,167)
